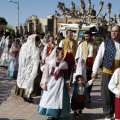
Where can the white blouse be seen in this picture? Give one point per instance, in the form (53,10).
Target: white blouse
(69,45)
(79,51)
(113,82)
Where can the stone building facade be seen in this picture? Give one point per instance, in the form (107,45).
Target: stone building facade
(47,25)
(34,23)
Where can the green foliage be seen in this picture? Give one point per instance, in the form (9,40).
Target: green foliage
(3,21)
(40,36)
(97,39)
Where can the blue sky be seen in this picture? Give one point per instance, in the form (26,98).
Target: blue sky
(42,8)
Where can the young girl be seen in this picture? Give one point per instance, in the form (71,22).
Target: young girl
(55,100)
(79,95)
(13,59)
(114,86)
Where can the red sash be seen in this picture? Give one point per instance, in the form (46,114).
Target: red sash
(69,57)
(89,61)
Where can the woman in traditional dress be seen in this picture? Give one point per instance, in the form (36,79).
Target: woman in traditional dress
(28,66)
(5,54)
(55,100)
(13,59)
(36,87)
(2,42)
(45,40)
(48,49)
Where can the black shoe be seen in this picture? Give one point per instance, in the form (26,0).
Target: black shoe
(30,100)
(80,112)
(76,115)
(53,118)
(88,101)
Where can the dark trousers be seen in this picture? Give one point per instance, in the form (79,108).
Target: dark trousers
(70,67)
(108,98)
(89,73)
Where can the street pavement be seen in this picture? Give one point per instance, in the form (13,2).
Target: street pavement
(13,107)
(6,84)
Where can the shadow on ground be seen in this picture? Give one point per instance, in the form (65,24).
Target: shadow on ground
(10,119)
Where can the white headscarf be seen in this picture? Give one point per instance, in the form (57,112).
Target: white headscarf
(30,44)
(43,41)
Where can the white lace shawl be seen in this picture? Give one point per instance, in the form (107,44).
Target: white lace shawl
(28,65)
(48,68)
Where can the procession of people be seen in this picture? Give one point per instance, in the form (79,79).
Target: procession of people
(62,71)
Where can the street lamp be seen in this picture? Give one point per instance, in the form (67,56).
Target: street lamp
(18,8)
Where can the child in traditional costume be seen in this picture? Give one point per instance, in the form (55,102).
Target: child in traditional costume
(114,86)
(55,100)
(79,95)
(13,59)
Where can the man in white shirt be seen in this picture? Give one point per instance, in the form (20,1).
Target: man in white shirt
(88,51)
(109,56)
(69,45)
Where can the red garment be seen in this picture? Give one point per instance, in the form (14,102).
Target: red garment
(61,72)
(80,99)
(15,53)
(48,50)
(78,103)
(69,57)
(117,108)
(89,62)
(70,60)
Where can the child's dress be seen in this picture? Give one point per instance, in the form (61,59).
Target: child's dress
(13,62)
(55,101)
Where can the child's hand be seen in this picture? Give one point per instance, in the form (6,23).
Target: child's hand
(44,87)
(68,89)
(119,94)
(43,62)
(93,79)
(94,75)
